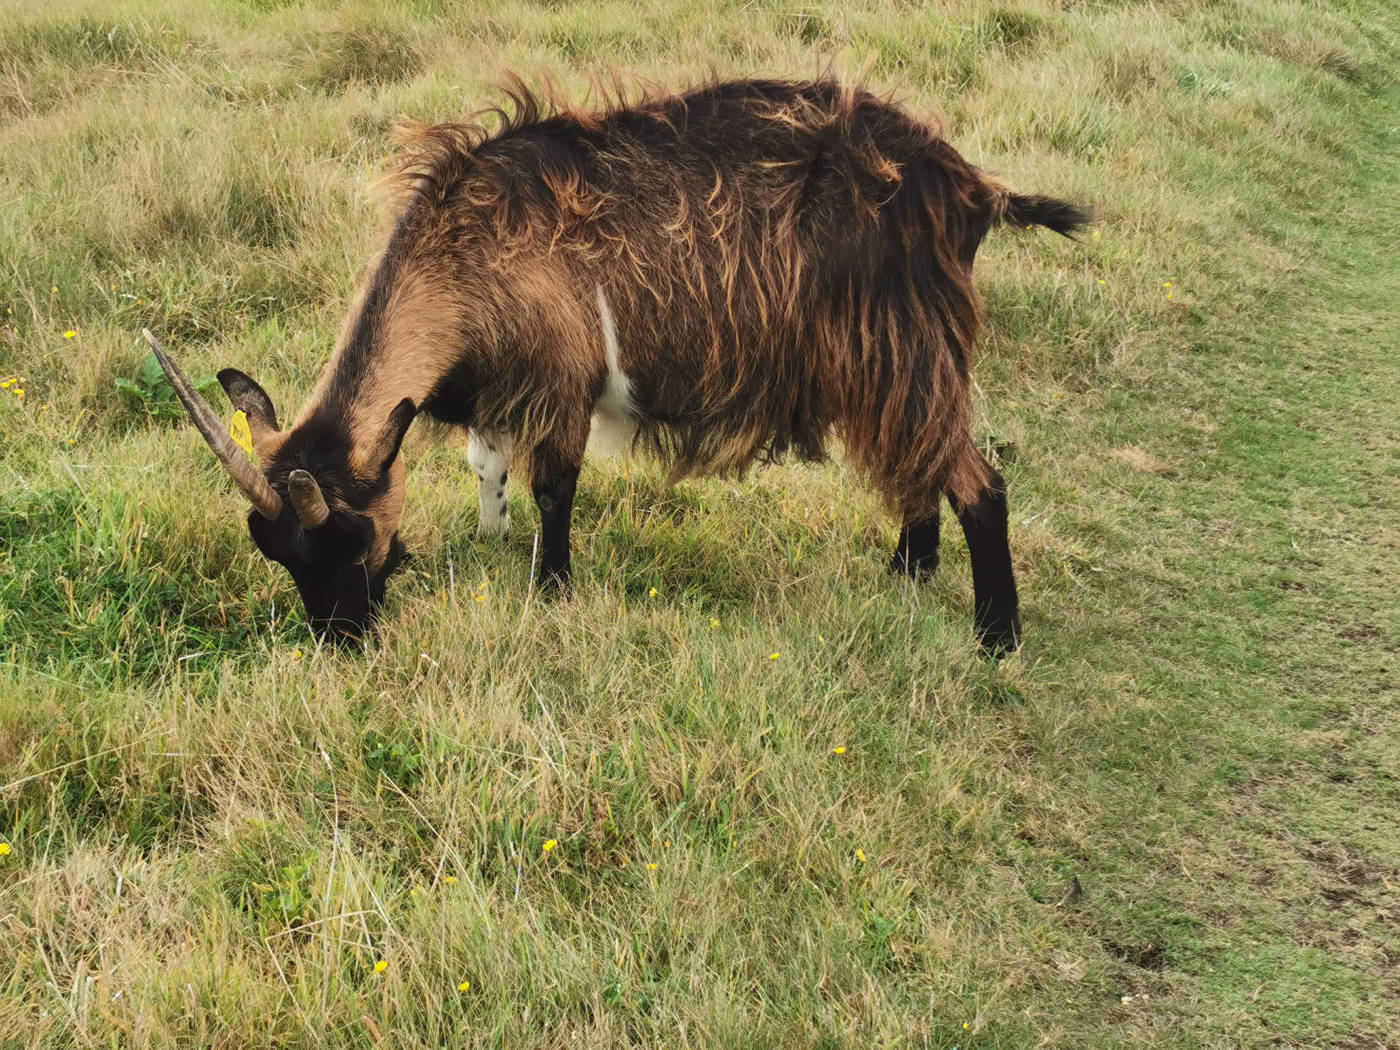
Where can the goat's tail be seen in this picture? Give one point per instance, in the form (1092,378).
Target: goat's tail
(1033,209)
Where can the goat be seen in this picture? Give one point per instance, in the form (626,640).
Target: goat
(723,275)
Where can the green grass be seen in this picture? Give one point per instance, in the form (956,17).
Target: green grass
(216,828)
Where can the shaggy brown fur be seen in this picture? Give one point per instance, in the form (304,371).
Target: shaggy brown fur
(783,261)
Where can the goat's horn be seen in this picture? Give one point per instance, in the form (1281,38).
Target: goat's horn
(307,499)
(239,466)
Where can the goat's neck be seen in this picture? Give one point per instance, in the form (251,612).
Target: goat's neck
(399,341)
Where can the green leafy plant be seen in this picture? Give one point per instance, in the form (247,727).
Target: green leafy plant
(399,761)
(283,903)
(151,390)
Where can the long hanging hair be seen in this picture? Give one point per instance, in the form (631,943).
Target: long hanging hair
(785,259)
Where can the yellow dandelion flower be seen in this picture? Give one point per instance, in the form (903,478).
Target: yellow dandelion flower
(841,750)
(451,880)
(652,866)
(774,656)
(860,855)
(19,393)
(478,597)
(713,622)
(4,849)
(381,966)
(1095,236)
(465,986)
(549,844)
(69,334)
(653,593)
(5,384)
(1102,281)
(297,654)
(54,288)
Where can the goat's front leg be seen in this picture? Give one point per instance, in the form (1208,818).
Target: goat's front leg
(489,454)
(554,471)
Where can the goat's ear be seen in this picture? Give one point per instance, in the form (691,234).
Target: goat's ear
(252,401)
(383,451)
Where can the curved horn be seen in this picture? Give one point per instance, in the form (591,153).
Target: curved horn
(239,466)
(307,499)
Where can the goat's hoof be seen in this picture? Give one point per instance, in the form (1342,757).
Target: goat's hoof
(555,584)
(916,568)
(498,531)
(1000,640)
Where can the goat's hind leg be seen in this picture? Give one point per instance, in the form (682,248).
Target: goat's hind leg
(983,515)
(916,554)
(489,455)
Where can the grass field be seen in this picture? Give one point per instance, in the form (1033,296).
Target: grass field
(623,819)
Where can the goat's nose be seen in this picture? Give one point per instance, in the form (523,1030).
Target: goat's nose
(339,630)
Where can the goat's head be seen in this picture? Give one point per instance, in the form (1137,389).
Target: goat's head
(327,511)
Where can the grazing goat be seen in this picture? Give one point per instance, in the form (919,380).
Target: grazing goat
(723,275)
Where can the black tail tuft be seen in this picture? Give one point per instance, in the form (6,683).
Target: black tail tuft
(1031,209)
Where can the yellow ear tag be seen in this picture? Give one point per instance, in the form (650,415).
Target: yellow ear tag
(238,430)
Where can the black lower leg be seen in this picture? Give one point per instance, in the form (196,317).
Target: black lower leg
(993,579)
(916,554)
(555,479)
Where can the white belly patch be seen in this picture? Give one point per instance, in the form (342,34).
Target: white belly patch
(614,420)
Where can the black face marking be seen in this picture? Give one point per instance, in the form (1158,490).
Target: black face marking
(328,565)
(500,494)
(504,475)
